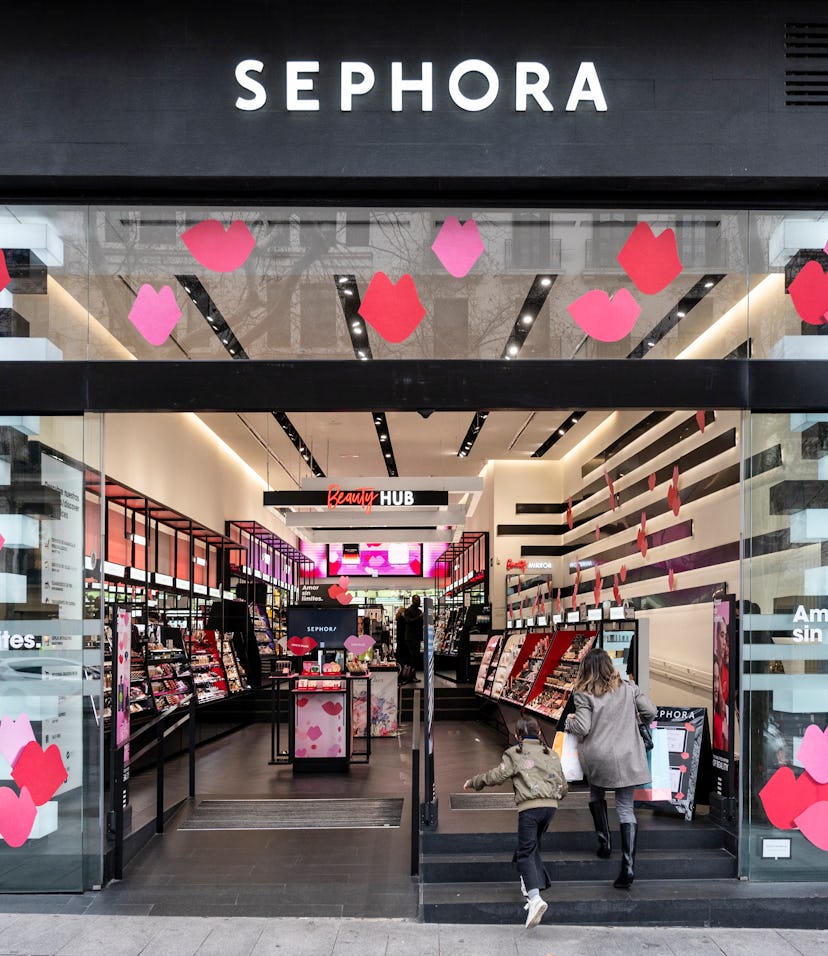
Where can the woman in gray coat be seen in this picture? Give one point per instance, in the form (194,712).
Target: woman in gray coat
(607,712)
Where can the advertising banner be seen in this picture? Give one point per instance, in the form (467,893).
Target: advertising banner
(725,691)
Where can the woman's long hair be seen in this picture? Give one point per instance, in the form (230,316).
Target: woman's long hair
(596,675)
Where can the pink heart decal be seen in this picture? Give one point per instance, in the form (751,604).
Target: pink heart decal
(605,319)
(5,278)
(345,598)
(651,481)
(17,815)
(314,732)
(217,250)
(332,708)
(40,771)
(301,645)
(154,314)
(301,752)
(809,293)
(394,311)
(622,573)
(334,591)
(14,735)
(813,753)
(344,582)
(813,824)
(458,247)
(700,421)
(652,262)
(359,643)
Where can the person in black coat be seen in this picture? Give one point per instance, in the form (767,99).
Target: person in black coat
(401,651)
(414,634)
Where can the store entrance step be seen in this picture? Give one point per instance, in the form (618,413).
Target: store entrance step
(661,902)
(450,703)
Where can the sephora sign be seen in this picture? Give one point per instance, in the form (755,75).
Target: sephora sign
(357,79)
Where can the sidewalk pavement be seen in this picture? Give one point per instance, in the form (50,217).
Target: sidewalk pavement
(84,935)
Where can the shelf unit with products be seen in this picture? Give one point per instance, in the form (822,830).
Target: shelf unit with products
(526,669)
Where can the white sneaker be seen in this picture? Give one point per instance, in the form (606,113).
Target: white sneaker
(523,888)
(536,907)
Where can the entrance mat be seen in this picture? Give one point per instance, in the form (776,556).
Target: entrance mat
(295,814)
(482,801)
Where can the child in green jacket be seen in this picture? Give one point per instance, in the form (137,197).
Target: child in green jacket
(538,782)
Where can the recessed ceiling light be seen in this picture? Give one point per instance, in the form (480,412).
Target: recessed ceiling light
(561,431)
(348,291)
(708,284)
(650,345)
(527,320)
(383,438)
(546,281)
(343,280)
(356,326)
(388,454)
(513,350)
(681,314)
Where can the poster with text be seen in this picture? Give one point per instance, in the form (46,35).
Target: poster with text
(62,539)
(121,702)
(725,667)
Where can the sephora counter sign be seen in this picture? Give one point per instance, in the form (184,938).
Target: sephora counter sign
(473,85)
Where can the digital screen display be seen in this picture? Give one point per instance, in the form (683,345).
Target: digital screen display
(330,626)
(375,560)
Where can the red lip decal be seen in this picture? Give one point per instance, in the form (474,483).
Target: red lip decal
(700,421)
(652,262)
(17,815)
(5,278)
(622,573)
(569,520)
(784,797)
(332,708)
(40,771)
(605,319)
(217,250)
(314,732)
(809,293)
(301,645)
(302,701)
(394,311)
(458,247)
(154,314)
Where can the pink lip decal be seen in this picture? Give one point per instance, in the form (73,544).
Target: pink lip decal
(301,752)
(458,247)
(700,421)
(605,319)
(302,701)
(14,735)
(809,293)
(5,278)
(652,262)
(394,311)
(359,643)
(17,816)
(154,314)
(331,708)
(343,582)
(315,732)
(813,824)
(40,771)
(813,753)
(217,250)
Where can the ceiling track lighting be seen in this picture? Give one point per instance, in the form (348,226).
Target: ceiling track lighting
(299,443)
(349,298)
(212,315)
(680,310)
(525,321)
(558,433)
(384,436)
(474,430)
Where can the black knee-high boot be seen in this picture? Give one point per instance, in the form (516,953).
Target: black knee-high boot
(598,809)
(629,832)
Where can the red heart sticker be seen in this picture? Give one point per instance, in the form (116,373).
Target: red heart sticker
(651,481)
(345,598)
(652,262)
(332,708)
(217,250)
(394,311)
(301,645)
(605,319)
(343,582)
(596,591)
(17,815)
(40,771)
(302,701)
(5,278)
(809,293)
(642,542)
(334,591)
(622,573)
(597,531)
(700,421)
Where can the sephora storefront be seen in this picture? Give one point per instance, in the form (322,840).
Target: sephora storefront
(312,208)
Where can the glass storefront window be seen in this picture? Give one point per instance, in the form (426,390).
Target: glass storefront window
(50,656)
(785,624)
